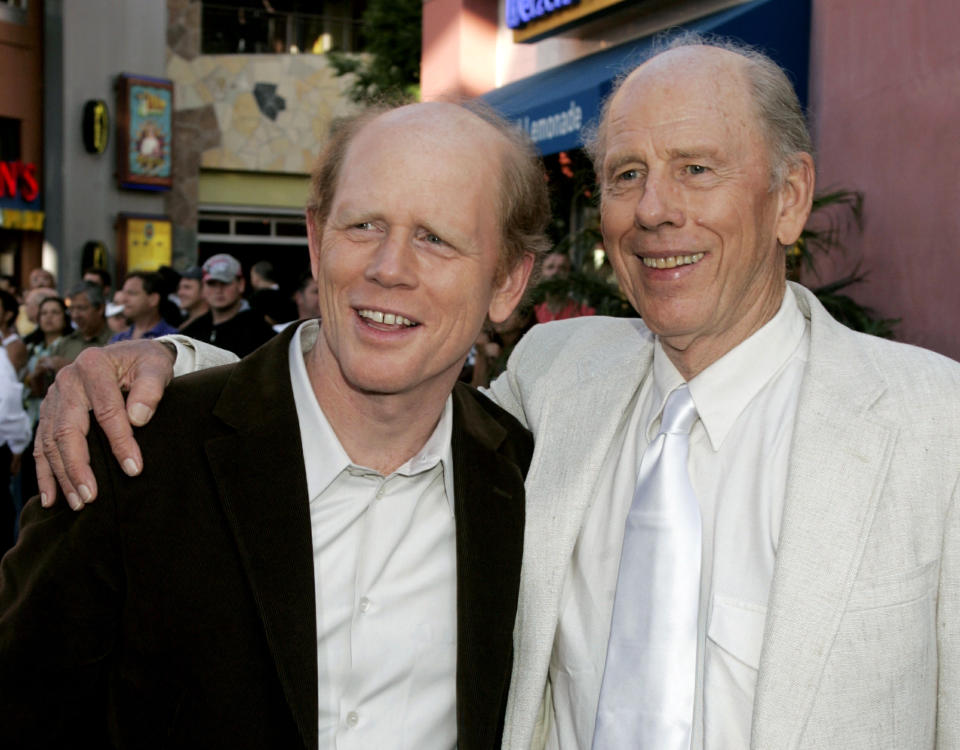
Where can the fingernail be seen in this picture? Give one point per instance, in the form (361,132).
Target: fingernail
(130,467)
(140,414)
(44,500)
(85,493)
(73,500)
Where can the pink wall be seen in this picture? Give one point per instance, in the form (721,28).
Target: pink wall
(459,48)
(885,99)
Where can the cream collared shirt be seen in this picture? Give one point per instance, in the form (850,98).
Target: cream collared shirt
(739,451)
(385,581)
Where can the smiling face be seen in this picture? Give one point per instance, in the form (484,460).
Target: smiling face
(689,219)
(407,262)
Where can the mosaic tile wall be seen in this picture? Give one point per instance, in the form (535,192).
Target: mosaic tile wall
(273,112)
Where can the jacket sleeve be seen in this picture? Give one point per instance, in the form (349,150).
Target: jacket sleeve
(948,631)
(61,591)
(193,355)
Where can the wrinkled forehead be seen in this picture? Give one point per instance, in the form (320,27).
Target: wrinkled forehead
(427,156)
(437,137)
(689,87)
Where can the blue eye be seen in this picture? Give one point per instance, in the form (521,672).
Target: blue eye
(696,169)
(626,176)
(433,239)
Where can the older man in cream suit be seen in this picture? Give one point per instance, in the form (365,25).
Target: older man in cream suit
(825,463)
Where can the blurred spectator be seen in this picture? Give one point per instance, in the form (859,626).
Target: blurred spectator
(558,304)
(54,325)
(190,295)
(230,323)
(263,276)
(306,297)
(27,318)
(274,306)
(15,435)
(41,277)
(496,343)
(9,338)
(169,302)
(8,284)
(307,302)
(143,293)
(87,313)
(102,277)
(116,320)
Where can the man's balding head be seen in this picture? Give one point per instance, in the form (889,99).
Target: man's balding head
(774,102)
(522,199)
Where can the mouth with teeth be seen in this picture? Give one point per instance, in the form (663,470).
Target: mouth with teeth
(386,320)
(673,261)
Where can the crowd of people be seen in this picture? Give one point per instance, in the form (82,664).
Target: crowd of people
(41,332)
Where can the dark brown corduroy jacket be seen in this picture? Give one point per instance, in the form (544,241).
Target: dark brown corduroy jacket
(178,609)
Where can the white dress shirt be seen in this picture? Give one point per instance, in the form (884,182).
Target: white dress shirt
(15,428)
(739,452)
(385,581)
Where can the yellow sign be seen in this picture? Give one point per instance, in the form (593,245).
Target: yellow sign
(148,244)
(543,26)
(14,218)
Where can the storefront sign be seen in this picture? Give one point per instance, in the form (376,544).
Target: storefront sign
(553,17)
(144,243)
(520,12)
(19,181)
(144,133)
(29,221)
(554,124)
(20,196)
(96,126)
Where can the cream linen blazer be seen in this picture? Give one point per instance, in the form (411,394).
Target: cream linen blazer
(862,638)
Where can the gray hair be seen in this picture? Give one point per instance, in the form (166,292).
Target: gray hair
(778,110)
(93,291)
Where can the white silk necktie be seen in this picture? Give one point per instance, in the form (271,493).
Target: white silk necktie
(649,680)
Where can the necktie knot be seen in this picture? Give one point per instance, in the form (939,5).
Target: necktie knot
(679,413)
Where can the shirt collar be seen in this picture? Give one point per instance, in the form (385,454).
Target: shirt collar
(319,439)
(724,389)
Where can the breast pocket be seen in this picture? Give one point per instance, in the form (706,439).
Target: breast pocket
(736,627)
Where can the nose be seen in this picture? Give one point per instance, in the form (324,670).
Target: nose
(393,262)
(659,203)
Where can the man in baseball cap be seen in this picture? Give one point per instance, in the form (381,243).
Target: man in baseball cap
(229,323)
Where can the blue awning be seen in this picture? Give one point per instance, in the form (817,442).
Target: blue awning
(553,105)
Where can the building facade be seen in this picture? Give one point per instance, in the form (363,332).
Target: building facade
(880,78)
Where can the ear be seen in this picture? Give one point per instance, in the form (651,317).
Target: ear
(796,199)
(509,290)
(242,284)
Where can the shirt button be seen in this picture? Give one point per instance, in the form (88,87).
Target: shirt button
(364,604)
(353,718)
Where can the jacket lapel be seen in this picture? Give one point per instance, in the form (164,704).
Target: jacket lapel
(260,476)
(581,419)
(489,512)
(840,455)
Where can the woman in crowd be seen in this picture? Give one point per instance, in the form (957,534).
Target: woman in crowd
(53,322)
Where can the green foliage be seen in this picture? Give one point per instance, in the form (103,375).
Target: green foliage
(833,214)
(389,69)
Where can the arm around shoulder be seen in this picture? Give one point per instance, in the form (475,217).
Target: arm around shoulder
(192,355)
